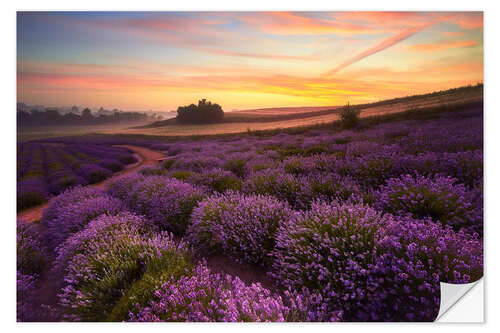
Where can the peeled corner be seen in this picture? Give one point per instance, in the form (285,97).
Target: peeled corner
(456,306)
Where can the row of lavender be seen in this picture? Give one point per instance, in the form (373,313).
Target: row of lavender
(48,169)
(361,226)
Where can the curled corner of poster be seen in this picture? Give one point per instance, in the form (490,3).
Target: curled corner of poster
(462,303)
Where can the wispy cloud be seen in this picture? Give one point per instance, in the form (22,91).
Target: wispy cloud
(386,43)
(297,23)
(442,45)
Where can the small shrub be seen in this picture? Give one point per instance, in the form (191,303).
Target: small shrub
(122,187)
(93,173)
(373,267)
(414,257)
(59,203)
(120,225)
(349,116)
(328,186)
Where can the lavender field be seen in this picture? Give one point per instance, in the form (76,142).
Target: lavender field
(325,224)
(48,169)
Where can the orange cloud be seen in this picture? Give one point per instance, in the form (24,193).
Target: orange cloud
(443,45)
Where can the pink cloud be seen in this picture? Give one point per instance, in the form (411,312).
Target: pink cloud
(290,23)
(442,45)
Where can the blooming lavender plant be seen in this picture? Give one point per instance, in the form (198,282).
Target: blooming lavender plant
(205,297)
(26,310)
(278,183)
(329,249)
(72,210)
(122,224)
(241,226)
(101,272)
(413,257)
(215,180)
(31,254)
(439,198)
(374,267)
(166,201)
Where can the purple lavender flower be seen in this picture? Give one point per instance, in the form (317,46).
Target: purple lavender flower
(31,254)
(439,198)
(207,297)
(166,201)
(105,267)
(241,226)
(72,210)
(26,297)
(373,267)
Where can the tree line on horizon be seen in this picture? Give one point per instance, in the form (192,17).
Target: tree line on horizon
(54,118)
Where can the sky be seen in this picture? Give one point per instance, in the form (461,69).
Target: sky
(242,60)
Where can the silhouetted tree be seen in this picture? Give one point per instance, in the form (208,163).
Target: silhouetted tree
(204,112)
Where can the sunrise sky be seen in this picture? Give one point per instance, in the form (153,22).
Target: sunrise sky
(242,60)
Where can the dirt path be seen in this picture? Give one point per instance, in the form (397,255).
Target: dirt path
(47,300)
(144,156)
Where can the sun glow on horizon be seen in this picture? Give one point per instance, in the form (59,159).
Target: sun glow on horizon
(242,60)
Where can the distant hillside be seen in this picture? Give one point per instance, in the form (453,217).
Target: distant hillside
(261,115)
(270,115)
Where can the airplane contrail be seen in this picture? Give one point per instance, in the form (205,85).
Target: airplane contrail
(386,43)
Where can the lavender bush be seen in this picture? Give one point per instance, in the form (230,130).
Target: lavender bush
(122,224)
(206,297)
(105,268)
(374,267)
(278,183)
(439,198)
(241,226)
(26,310)
(166,201)
(329,249)
(31,254)
(72,210)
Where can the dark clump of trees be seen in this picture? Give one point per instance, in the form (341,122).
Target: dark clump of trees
(54,118)
(203,113)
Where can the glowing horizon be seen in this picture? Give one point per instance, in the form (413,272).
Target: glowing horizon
(242,60)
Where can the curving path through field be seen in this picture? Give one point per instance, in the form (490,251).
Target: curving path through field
(221,264)
(144,156)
